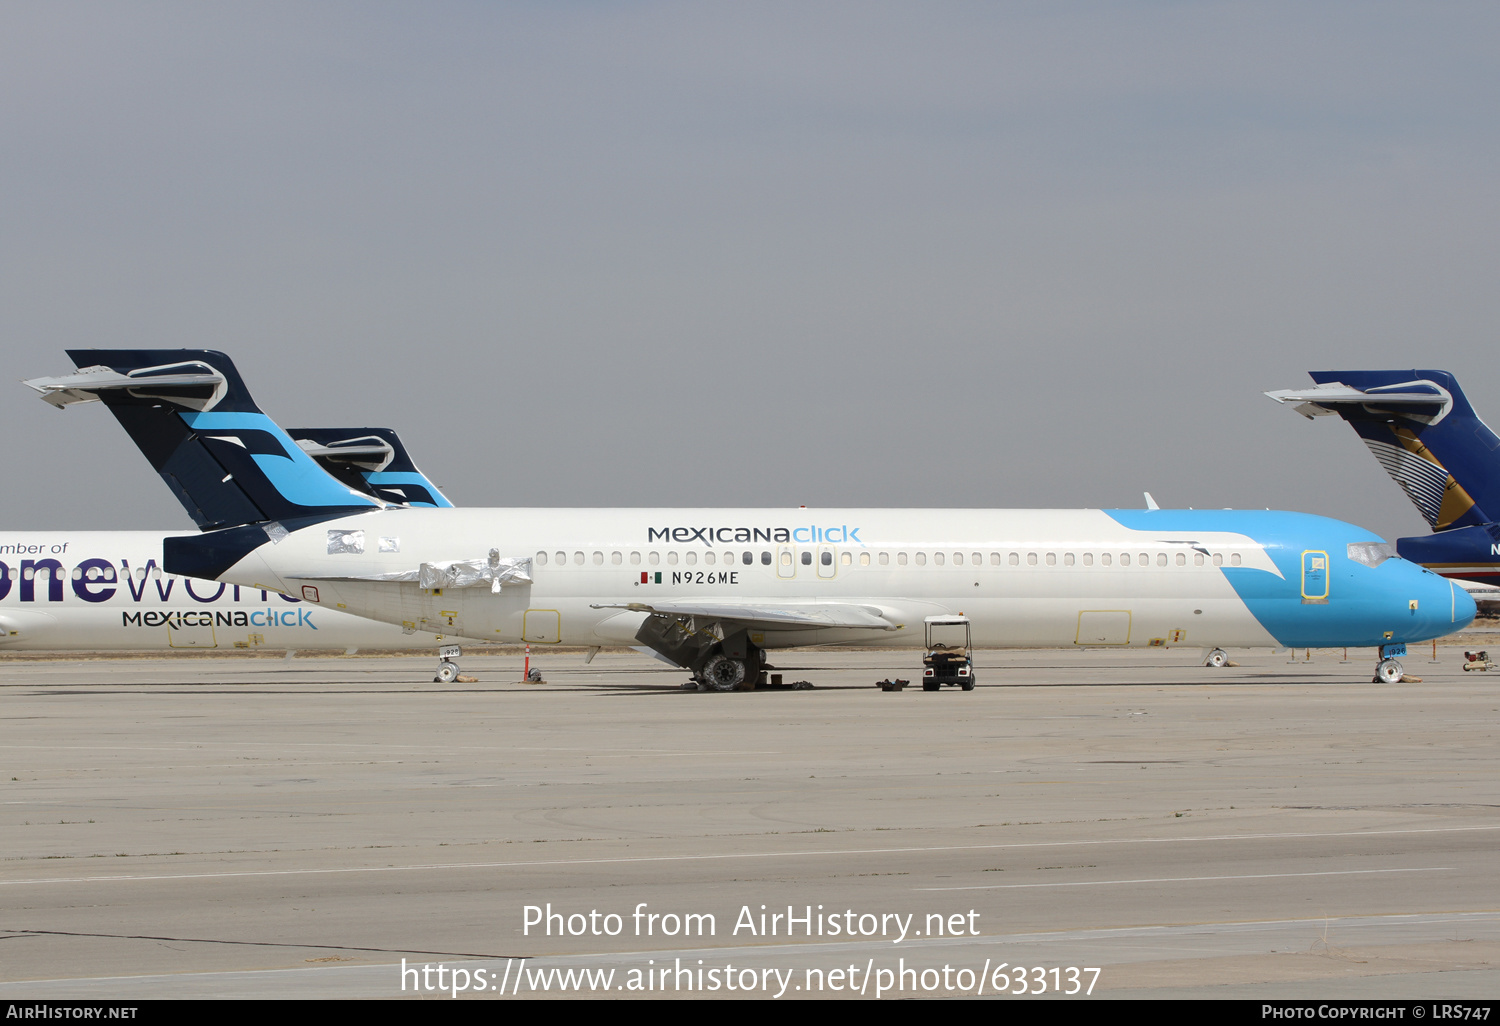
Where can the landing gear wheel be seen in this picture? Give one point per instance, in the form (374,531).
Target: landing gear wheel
(1218,659)
(724,673)
(447,673)
(1389,672)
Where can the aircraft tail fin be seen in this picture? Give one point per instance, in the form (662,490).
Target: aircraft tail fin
(1421,429)
(373,460)
(192,417)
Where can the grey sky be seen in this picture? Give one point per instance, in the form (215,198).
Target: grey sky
(756,254)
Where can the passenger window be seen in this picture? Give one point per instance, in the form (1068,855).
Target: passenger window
(541,559)
(994,559)
(1235,559)
(806,558)
(827,558)
(1124,559)
(885,559)
(1067,559)
(709,557)
(748,558)
(977,559)
(562,559)
(921,559)
(1182,559)
(765,559)
(78,573)
(1051,559)
(864,559)
(901,559)
(1218,559)
(635,559)
(653,558)
(958,559)
(1145,559)
(578,558)
(1015,559)
(846,558)
(1088,559)
(786,559)
(598,559)
(1197,559)
(671,559)
(616,558)
(1161,559)
(729,559)
(937,559)
(691,558)
(1104,559)
(1031,559)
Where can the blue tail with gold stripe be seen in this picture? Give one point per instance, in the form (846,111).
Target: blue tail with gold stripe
(1424,432)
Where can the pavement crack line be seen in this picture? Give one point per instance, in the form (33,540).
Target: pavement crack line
(256,944)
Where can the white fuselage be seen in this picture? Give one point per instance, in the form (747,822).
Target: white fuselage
(105,591)
(1025,578)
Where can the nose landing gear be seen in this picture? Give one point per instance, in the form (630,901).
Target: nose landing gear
(1388,671)
(447,668)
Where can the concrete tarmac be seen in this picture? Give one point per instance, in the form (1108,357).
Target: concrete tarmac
(1129,823)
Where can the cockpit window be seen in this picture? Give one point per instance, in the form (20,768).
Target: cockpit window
(1372,553)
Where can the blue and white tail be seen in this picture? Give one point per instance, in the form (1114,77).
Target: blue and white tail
(190,414)
(373,460)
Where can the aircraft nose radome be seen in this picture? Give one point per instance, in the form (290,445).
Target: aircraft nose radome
(1463,606)
(1443,607)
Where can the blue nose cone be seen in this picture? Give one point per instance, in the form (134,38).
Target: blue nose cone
(1435,606)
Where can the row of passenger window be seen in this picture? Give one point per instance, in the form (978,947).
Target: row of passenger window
(94,573)
(690,558)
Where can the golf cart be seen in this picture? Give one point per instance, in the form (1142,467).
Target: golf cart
(946,660)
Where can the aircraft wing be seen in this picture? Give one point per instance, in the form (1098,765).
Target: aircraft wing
(769,617)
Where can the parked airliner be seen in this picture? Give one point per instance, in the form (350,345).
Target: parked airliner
(713,590)
(105,590)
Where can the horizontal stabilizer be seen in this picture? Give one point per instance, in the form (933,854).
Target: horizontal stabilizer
(1418,399)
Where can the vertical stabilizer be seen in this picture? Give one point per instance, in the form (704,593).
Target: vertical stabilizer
(190,414)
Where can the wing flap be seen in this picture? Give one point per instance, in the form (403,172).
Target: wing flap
(809,615)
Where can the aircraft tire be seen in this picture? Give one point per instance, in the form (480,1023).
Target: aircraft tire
(1389,672)
(1218,659)
(447,673)
(724,673)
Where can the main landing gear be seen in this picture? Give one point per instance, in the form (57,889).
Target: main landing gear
(1218,659)
(726,672)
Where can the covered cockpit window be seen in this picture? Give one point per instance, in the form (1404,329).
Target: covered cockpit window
(1372,553)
